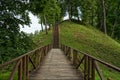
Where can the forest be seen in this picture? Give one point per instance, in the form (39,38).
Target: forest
(103,15)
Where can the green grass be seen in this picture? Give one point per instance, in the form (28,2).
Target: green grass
(42,39)
(93,42)
(4,75)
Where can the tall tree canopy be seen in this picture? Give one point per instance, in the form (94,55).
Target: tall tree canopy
(47,11)
(102,14)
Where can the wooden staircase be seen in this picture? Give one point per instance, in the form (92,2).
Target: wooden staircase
(56,36)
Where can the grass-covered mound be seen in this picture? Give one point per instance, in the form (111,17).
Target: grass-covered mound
(91,41)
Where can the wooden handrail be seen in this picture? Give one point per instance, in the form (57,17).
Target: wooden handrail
(90,63)
(22,62)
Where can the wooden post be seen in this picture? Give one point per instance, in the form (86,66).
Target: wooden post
(69,54)
(24,68)
(93,70)
(86,68)
(66,50)
(44,48)
(20,71)
(74,57)
(27,65)
(89,60)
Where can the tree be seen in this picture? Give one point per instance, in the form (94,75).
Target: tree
(48,11)
(13,13)
(104,16)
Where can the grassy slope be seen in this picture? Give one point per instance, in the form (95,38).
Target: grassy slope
(42,39)
(91,41)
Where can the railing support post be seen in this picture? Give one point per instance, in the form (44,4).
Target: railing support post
(20,71)
(86,68)
(93,70)
(74,57)
(27,70)
(24,68)
(69,53)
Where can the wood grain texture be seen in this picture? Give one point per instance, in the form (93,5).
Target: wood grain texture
(56,67)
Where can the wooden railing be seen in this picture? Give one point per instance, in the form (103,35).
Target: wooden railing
(26,63)
(88,63)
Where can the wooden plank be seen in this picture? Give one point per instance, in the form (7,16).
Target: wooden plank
(27,69)
(56,67)
(74,57)
(24,68)
(93,70)
(86,68)
(20,71)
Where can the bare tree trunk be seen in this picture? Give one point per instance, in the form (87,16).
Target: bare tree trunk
(104,16)
(41,24)
(45,24)
(113,29)
(69,10)
(49,27)
(92,17)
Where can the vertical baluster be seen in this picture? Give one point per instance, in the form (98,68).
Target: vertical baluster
(69,55)
(74,57)
(39,57)
(86,68)
(27,65)
(24,68)
(89,65)
(35,58)
(93,70)
(20,71)
(44,51)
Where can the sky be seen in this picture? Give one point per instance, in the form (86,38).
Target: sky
(34,24)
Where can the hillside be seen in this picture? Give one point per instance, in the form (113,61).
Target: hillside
(91,41)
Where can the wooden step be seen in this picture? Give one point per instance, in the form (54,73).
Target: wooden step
(56,67)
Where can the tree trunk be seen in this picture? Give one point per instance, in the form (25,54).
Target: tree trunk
(113,29)
(104,16)
(69,10)
(92,17)
(115,21)
(49,27)
(41,25)
(45,24)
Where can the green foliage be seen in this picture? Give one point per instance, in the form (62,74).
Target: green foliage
(47,8)
(13,43)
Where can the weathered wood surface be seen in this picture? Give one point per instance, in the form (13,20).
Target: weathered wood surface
(56,67)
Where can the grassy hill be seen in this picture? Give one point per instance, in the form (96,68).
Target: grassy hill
(91,41)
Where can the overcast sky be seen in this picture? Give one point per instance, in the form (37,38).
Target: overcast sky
(34,24)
